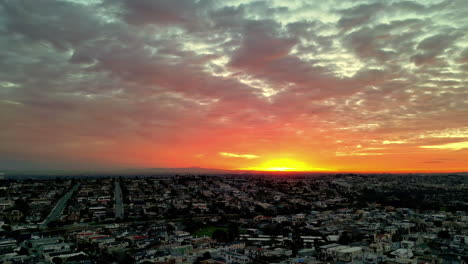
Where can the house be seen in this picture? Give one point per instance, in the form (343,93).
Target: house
(380,247)
(402,253)
(306,252)
(201,206)
(182,235)
(233,257)
(213,261)
(280,219)
(325,249)
(62,255)
(333,238)
(7,245)
(349,254)
(180,250)
(299,217)
(55,247)
(99,239)
(85,234)
(382,237)
(278,252)
(407,244)
(400,261)
(15,215)
(4,204)
(331,251)
(36,243)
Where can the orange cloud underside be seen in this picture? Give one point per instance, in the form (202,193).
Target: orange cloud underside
(318,156)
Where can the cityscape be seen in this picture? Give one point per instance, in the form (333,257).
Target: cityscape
(263,218)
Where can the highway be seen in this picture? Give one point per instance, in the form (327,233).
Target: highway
(119,208)
(59,206)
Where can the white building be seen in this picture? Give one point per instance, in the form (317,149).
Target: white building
(349,254)
(232,257)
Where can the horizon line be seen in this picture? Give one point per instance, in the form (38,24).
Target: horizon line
(220,171)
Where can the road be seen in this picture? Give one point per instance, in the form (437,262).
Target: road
(59,206)
(119,209)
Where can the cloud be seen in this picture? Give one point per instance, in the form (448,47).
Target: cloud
(433,46)
(59,23)
(234,155)
(160,11)
(461,132)
(449,146)
(440,161)
(261,46)
(463,56)
(358,15)
(386,142)
(82,80)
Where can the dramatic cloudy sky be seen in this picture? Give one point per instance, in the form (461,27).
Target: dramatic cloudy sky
(327,85)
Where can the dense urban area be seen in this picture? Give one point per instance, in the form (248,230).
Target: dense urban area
(203,219)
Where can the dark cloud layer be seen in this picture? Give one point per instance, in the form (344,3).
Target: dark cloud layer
(162,83)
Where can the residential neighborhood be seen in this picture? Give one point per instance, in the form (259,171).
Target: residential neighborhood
(261,218)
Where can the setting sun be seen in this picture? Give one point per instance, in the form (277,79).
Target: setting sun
(282,165)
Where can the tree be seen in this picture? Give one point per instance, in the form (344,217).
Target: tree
(220,235)
(272,230)
(205,256)
(78,258)
(295,249)
(22,206)
(190,225)
(443,234)
(6,228)
(57,260)
(54,224)
(233,231)
(126,259)
(23,251)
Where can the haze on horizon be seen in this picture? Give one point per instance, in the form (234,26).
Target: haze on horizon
(260,85)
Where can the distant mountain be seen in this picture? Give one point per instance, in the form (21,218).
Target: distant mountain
(117,172)
(189,170)
(179,171)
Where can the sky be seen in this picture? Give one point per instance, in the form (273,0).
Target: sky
(259,85)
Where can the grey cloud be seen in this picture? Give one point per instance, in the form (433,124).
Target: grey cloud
(384,42)
(62,24)
(160,11)
(424,58)
(437,42)
(261,45)
(409,6)
(364,43)
(358,15)
(228,17)
(463,58)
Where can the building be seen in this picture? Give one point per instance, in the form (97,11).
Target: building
(349,254)
(233,257)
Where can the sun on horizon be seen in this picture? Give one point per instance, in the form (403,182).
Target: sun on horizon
(283,164)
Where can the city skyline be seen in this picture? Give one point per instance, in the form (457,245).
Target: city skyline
(323,86)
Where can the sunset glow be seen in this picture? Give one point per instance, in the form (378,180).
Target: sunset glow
(282,165)
(346,85)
